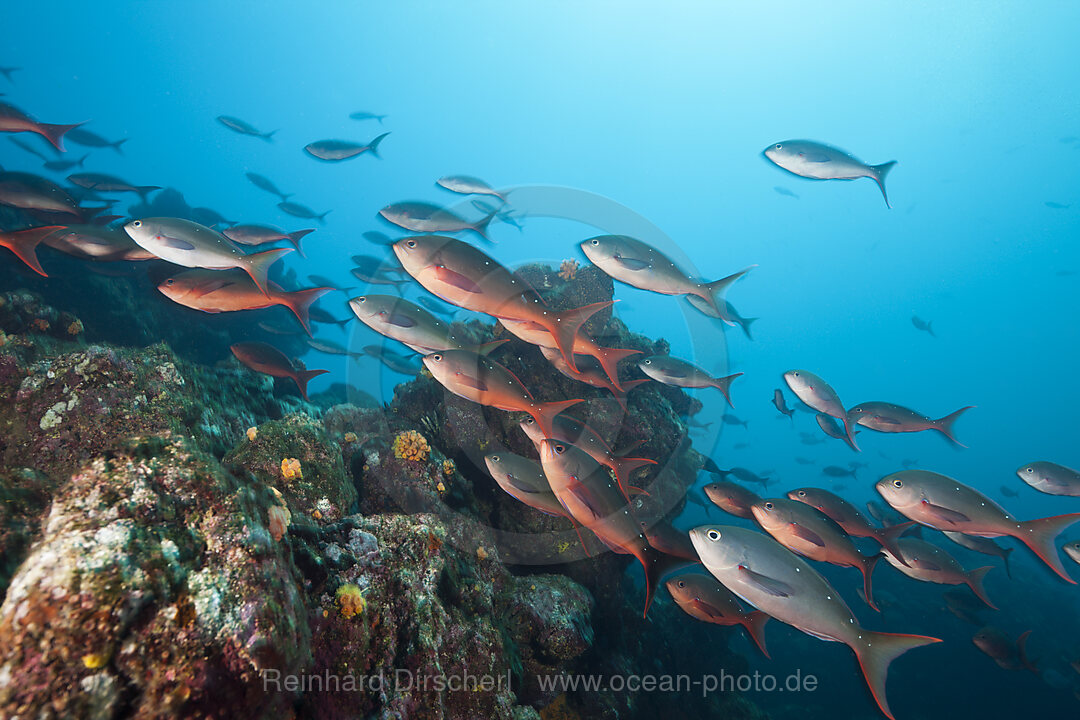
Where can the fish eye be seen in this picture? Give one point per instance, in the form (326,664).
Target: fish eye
(769,506)
(802,493)
(796,373)
(437,358)
(559,449)
(1031,470)
(681,583)
(411,243)
(647,362)
(170,281)
(137,223)
(898,483)
(858,409)
(713,535)
(594,241)
(361,299)
(494,458)
(779,146)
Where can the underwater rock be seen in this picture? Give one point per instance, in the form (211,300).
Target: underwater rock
(155,588)
(315,486)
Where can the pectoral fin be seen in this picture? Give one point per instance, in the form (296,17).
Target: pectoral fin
(807,534)
(632,263)
(776,588)
(944,514)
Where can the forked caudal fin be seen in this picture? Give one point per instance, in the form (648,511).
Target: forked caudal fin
(867,567)
(623,466)
(300,302)
(887,537)
(24,244)
(258,265)
(875,651)
(1039,535)
(754,622)
(878,173)
(609,360)
(295,238)
(975,582)
(55,133)
(564,327)
(713,292)
(656,565)
(724,386)
(944,425)
(303,377)
(1021,646)
(544,413)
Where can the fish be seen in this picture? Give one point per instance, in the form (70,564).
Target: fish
(321,316)
(784,191)
(848,517)
(64,165)
(268,360)
(1056,205)
(1073,550)
(24,244)
(986,546)
(401,320)
(679,373)
(1051,478)
(424,217)
(818,161)
(267,185)
(209,217)
(640,265)
(768,576)
(923,561)
(338,150)
(367,116)
(17,142)
(907,463)
(813,535)
(501,214)
(591,372)
(606,358)
(477,378)
(253,235)
(885,514)
(729,419)
(567,429)
(807,439)
(378,238)
(1009,492)
(14,120)
(703,598)
(924,325)
(216,291)
(27,191)
(589,493)
(465,276)
(781,405)
(324,281)
(830,427)
(102,183)
(97,242)
(7,71)
(467,185)
(965,606)
(727,313)
(693,498)
(804,461)
(940,502)
(663,536)
(745,475)
(819,395)
(1000,648)
(524,480)
(302,211)
(836,471)
(889,418)
(243,128)
(186,243)
(397,362)
(87,138)
(331,348)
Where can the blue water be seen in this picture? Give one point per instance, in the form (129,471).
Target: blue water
(664,109)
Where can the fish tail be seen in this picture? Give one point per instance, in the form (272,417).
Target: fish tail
(1021,646)
(302,377)
(322,218)
(1005,559)
(269,137)
(82,160)
(116,145)
(724,386)
(487,348)
(296,237)
(869,562)
(974,580)
(878,173)
(620,393)
(944,425)
(1039,535)
(55,133)
(144,190)
(887,537)
(746,327)
(623,467)
(373,146)
(930,329)
(656,565)
(849,434)
(564,327)
(713,292)
(609,359)
(24,244)
(544,413)
(300,301)
(257,265)
(876,651)
(754,622)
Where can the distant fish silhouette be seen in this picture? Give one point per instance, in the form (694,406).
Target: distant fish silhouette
(784,191)
(924,325)
(1056,205)
(1008,491)
(244,128)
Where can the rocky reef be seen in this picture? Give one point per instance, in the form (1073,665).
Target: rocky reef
(182,538)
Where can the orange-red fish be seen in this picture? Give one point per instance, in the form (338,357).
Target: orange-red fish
(24,244)
(703,598)
(268,360)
